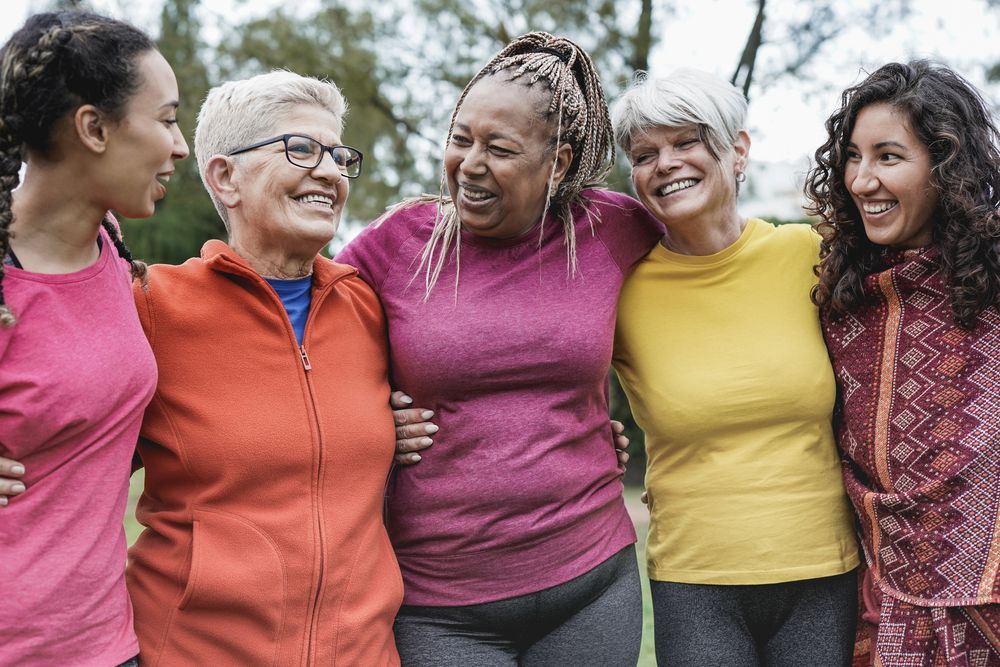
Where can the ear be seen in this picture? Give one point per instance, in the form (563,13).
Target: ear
(220,179)
(564,158)
(742,149)
(92,128)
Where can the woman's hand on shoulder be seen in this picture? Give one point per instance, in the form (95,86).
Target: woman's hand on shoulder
(10,483)
(413,428)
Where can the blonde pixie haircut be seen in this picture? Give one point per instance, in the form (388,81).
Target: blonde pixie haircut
(684,97)
(238,113)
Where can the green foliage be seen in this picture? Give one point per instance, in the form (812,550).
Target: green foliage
(186,218)
(781,221)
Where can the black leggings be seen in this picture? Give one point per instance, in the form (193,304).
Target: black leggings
(794,624)
(594,619)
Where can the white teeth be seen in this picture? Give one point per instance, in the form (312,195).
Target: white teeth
(316,199)
(476,195)
(678,185)
(879,207)
(163,179)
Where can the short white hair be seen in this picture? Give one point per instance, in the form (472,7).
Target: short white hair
(238,113)
(684,97)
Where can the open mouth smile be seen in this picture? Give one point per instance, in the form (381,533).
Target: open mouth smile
(877,208)
(676,186)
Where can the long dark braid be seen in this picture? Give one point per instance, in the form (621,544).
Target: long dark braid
(52,65)
(582,121)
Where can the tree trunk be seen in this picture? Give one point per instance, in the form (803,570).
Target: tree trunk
(642,44)
(743,75)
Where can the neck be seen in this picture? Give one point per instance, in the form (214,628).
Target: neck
(270,263)
(698,237)
(55,227)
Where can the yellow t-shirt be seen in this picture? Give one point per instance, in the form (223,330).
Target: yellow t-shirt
(723,362)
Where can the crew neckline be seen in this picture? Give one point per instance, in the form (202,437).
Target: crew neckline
(724,255)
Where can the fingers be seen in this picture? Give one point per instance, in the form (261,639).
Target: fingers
(411,416)
(623,457)
(9,484)
(412,433)
(415,430)
(406,459)
(618,431)
(399,400)
(407,445)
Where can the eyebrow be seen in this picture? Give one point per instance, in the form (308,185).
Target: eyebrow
(882,144)
(494,135)
(172,104)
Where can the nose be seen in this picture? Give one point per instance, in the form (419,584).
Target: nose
(474,162)
(328,169)
(863,180)
(666,160)
(180,145)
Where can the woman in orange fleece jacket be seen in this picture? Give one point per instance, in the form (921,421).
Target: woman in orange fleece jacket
(269,439)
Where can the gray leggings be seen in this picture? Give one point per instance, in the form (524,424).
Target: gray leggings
(794,624)
(594,619)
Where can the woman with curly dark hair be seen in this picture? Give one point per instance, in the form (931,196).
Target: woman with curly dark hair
(907,188)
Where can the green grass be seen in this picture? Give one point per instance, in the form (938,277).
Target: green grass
(637,509)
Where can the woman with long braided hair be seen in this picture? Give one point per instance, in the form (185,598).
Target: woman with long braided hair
(90,105)
(514,544)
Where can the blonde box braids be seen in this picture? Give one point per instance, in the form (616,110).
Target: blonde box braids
(582,121)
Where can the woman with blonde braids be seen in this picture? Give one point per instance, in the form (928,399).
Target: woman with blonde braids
(500,299)
(91,106)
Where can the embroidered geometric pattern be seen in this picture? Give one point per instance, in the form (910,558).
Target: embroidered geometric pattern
(919,429)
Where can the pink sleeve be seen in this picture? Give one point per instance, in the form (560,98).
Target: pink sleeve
(627,230)
(370,253)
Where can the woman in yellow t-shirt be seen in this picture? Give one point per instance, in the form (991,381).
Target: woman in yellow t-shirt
(751,549)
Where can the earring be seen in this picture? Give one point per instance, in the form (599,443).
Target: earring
(741,176)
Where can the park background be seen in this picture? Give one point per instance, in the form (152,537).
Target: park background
(402,65)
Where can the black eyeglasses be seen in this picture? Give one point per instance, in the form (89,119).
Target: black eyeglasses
(306,152)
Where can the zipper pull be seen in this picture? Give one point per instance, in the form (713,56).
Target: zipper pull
(305,358)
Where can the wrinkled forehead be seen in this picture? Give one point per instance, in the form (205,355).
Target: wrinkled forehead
(536,93)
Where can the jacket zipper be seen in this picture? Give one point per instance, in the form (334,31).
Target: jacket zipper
(320,581)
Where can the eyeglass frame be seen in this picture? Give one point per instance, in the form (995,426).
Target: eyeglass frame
(324,150)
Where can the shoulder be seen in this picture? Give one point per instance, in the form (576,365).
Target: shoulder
(166,277)
(351,291)
(169,285)
(376,249)
(609,200)
(788,236)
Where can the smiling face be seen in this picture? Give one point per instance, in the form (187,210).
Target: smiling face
(144,145)
(888,173)
(679,180)
(283,209)
(499,159)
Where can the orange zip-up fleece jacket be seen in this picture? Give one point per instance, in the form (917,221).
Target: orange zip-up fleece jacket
(265,469)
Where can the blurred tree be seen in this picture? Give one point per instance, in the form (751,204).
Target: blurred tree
(186,217)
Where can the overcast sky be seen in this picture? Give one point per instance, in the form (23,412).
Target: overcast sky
(786,119)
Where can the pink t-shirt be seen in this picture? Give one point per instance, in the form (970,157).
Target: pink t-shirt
(76,374)
(521,489)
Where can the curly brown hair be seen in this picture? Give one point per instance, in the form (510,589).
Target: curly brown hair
(949,116)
